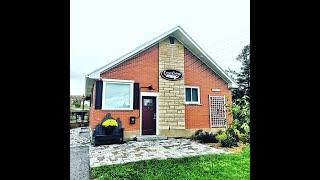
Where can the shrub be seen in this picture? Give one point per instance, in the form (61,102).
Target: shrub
(245,138)
(241,114)
(198,132)
(240,128)
(220,131)
(232,137)
(204,137)
(208,138)
(229,141)
(77,103)
(221,136)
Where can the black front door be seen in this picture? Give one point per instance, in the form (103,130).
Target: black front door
(149,115)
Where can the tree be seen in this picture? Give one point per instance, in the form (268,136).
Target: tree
(243,77)
(77,103)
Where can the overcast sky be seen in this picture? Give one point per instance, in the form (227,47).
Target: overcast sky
(103,30)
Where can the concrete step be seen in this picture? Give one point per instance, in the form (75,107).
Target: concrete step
(84,129)
(151,138)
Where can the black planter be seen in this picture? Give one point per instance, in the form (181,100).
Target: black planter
(107,135)
(115,137)
(109,130)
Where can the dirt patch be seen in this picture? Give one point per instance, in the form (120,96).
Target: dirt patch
(236,149)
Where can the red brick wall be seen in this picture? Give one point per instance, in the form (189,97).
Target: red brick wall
(142,69)
(198,74)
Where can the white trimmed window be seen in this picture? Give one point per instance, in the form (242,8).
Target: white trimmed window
(117,94)
(192,95)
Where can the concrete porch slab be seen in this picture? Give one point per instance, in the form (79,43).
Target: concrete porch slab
(151,138)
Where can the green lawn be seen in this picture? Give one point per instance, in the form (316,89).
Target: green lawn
(224,166)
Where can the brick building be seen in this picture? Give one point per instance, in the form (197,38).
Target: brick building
(169,85)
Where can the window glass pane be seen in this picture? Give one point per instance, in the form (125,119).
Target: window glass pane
(117,95)
(195,94)
(147,102)
(188,94)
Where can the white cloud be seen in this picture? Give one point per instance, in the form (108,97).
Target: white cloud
(101,31)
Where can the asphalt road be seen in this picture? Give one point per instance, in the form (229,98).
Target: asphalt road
(79,163)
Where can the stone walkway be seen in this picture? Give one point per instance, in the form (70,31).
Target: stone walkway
(128,152)
(137,151)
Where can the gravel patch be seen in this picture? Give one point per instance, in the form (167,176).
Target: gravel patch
(79,137)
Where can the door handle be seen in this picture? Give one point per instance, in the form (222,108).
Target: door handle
(154,116)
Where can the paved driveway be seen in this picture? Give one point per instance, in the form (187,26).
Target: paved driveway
(79,163)
(79,154)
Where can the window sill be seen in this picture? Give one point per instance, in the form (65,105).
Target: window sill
(117,109)
(193,104)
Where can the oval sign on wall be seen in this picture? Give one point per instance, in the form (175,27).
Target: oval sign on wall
(171,75)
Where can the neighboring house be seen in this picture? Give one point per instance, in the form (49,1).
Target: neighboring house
(169,85)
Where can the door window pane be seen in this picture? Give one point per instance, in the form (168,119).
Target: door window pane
(147,102)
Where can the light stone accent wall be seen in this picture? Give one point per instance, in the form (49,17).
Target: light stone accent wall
(129,135)
(171,99)
(187,132)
